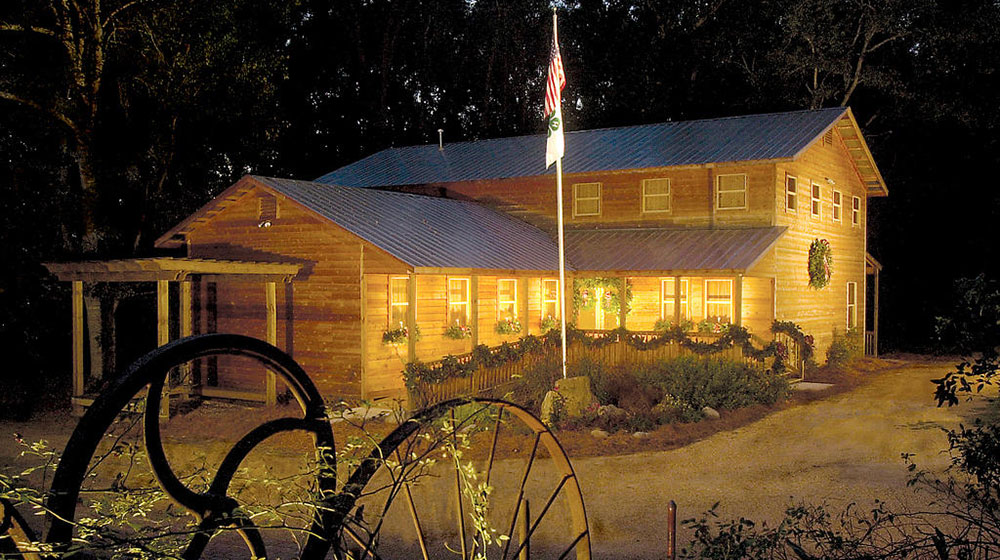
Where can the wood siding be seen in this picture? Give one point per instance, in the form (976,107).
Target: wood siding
(820,312)
(319,313)
(692,192)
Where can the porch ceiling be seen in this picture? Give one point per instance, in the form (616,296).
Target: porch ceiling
(719,250)
(169,268)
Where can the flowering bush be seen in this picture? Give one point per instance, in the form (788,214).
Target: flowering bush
(458,332)
(508,326)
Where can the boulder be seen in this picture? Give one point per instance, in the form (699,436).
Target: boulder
(599,433)
(640,435)
(570,399)
(710,412)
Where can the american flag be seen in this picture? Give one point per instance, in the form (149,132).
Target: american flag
(557,78)
(554,144)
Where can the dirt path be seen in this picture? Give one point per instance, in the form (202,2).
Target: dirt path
(838,450)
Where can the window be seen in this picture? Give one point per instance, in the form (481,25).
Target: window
(856,211)
(506,299)
(458,301)
(791,194)
(838,205)
(731,192)
(655,195)
(667,299)
(719,300)
(587,199)
(399,300)
(852,305)
(550,299)
(815,207)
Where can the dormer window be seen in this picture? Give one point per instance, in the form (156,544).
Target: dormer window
(587,199)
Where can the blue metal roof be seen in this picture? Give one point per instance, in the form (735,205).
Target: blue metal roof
(730,139)
(669,249)
(425,231)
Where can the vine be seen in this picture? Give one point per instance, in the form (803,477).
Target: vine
(417,373)
(585,294)
(820,263)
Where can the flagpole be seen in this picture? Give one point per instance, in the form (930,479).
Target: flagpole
(562,261)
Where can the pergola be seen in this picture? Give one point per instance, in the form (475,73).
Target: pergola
(163,271)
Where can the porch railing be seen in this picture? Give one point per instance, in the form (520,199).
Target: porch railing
(870,349)
(486,378)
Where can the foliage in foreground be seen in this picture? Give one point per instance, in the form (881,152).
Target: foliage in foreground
(962,516)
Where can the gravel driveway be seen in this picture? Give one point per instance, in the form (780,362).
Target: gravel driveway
(834,451)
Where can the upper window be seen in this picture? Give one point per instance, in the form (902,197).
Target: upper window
(506,299)
(458,301)
(856,211)
(667,295)
(550,299)
(655,195)
(399,300)
(791,194)
(731,192)
(852,305)
(587,199)
(838,205)
(719,300)
(815,202)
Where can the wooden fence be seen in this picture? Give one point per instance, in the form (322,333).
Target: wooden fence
(484,378)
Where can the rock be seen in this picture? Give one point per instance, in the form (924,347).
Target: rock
(576,394)
(599,433)
(710,412)
(640,435)
(553,408)
(611,411)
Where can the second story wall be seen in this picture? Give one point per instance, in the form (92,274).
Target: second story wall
(720,196)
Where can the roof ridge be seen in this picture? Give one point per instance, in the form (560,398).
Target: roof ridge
(607,128)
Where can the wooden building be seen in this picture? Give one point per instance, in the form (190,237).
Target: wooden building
(704,220)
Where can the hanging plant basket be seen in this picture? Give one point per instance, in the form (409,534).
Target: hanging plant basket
(820,263)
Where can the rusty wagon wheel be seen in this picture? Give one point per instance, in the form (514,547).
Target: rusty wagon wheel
(455,481)
(213,508)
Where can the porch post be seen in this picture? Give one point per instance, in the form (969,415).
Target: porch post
(623,303)
(522,303)
(163,336)
(270,383)
(411,318)
(875,318)
(474,308)
(677,301)
(738,300)
(77,342)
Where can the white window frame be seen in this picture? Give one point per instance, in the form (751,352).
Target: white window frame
(856,210)
(792,194)
(719,191)
(394,303)
(816,200)
(719,301)
(667,196)
(577,199)
(466,302)
(502,302)
(666,298)
(852,306)
(838,206)
(546,301)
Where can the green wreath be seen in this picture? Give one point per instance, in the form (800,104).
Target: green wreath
(585,294)
(820,263)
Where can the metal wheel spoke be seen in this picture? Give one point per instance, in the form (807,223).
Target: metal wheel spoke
(538,520)
(520,493)
(573,544)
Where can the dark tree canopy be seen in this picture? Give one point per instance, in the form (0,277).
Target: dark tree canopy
(119,117)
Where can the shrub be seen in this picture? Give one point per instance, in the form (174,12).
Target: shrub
(718,383)
(536,380)
(845,347)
